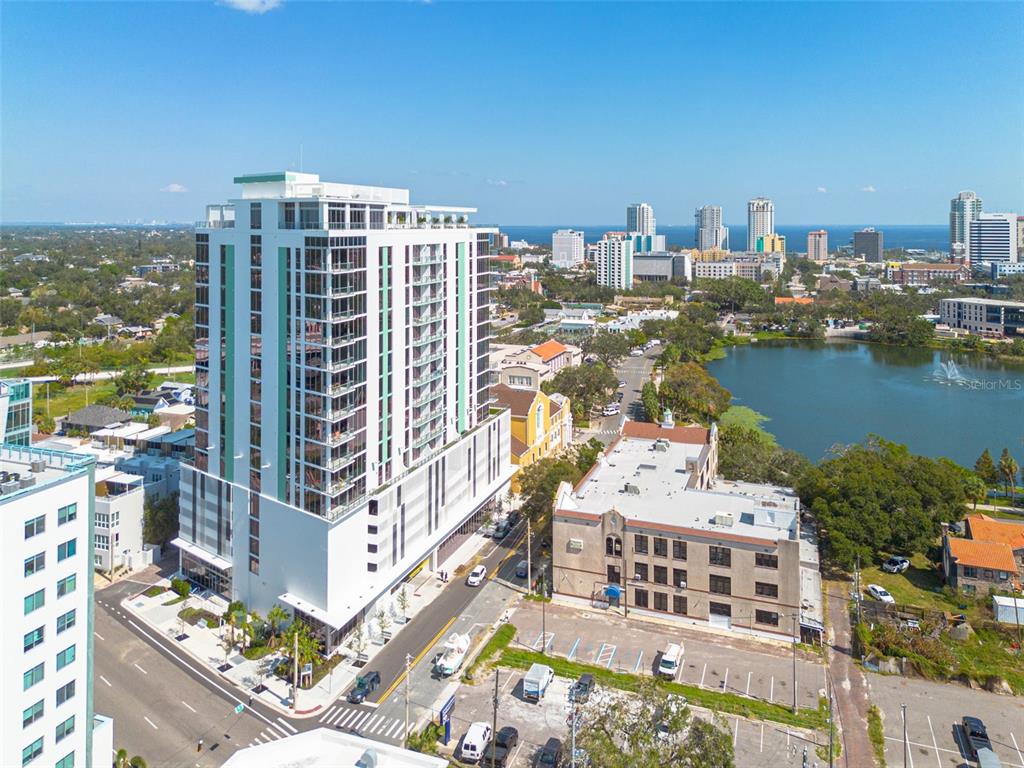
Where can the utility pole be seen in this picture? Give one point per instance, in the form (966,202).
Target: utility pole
(795,638)
(408,660)
(543,616)
(903,709)
(529,559)
(295,674)
(494,725)
(831,728)
(856,574)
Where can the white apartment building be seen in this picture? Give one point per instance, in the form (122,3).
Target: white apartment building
(567,248)
(760,220)
(963,209)
(615,263)
(710,234)
(817,245)
(120,503)
(714,270)
(640,219)
(46,712)
(993,238)
(344,433)
(984,317)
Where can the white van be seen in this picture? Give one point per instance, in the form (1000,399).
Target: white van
(671,661)
(475,740)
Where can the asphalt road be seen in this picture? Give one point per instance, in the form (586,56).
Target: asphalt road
(635,371)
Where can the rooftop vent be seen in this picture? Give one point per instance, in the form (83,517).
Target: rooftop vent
(38,465)
(633,490)
(723,519)
(27,481)
(9,487)
(661,445)
(648,467)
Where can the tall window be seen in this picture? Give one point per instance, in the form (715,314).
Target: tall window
(255,216)
(66,657)
(33,638)
(679,604)
(66,728)
(640,544)
(660,574)
(678,577)
(66,586)
(35,601)
(720,585)
(764,560)
(640,598)
(35,564)
(660,547)
(35,526)
(679,550)
(33,676)
(65,692)
(720,556)
(613,546)
(67,514)
(67,549)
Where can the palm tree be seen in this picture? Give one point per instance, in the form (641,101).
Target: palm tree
(1009,468)
(121,760)
(276,616)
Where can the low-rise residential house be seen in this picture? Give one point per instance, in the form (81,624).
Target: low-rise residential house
(633,321)
(93,417)
(541,424)
(111,323)
(525,367)
(652,530)
(989,556)
(828,282)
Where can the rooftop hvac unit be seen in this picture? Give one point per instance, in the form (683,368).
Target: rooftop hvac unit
(38,465)
(633,490)
(27,482)
(9,487)
(575,545)
(724,519)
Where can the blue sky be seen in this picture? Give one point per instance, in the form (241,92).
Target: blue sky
(536,114)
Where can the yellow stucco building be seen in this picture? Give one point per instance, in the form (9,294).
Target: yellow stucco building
(541,424)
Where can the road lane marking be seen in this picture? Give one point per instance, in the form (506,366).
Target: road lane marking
(140,669)
(393,730)
(349,717)
(371,725)
(105,681)
(327,714)
(359,720)
(771,690)
(923,746)
(269,735)
(426,649)
(279,728)
(703,672)
(288,725)
(761,749)
(1019,755)
(150,722)
(747,692)
(934,742)
(189,706)
(736,734)
(543,641)
(725,680)
(380,726)
(98,635)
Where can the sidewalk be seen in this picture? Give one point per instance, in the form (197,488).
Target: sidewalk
(849,686)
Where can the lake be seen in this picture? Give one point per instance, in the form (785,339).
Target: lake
(816,394)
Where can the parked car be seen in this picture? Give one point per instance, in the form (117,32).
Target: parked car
(636,352)
(880,593)
(671,661)
(976,735)
(512,517)
(583,687)
(497,753)
(365,685)
(476,738)
(550,755)
(501,529)
(476,576)
(612,409)
(622,382)
(522,569)
(896,565)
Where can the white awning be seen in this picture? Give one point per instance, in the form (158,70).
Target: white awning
(311,610)
(207,557)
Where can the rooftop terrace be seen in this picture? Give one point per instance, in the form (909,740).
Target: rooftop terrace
(25,469)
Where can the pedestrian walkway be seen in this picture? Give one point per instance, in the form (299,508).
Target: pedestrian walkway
(363,721)
(848,683)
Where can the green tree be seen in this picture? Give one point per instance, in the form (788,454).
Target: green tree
(733,293)
(608,347)
(652,729)
(651,401)
(181,587)
(531,315)
(986,468)
(121,760)
(1008,469)
(539,481)
(586,386)
(402,601)
(276,617)
(309,647)
(693,394)
(133,380)
(751,455)
(975,489)
(160,519)
(586,454)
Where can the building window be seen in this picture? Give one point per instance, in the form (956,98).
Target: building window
(969,571)
(65,692)
(32,714)
(660,601)
(679,605)
(719,585)
(33,638)
(67,514)
(660,574)
(35,526)
(67,549)
(35,564)
(66,728)
(678,578)
(614,574)
(640,598)
(65,657)
(67,621)
(640,544)
(660,547)
(720,609)
(767,617)
(255,216)
(613,546)
(33,676)
(765,560)
(32,751)
(68,761)
(35,600)
(640,569)
(66,586)
(720,556)
(679,550)
(766,590)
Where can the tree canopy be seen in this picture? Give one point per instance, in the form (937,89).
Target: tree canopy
(586,386)
(692,393)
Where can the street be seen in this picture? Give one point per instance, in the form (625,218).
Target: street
(635,371)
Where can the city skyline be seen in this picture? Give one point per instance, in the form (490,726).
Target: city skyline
(188,131)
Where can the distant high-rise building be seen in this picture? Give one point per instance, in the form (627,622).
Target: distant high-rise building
(993,238)
(647,243)
(963,209)
(344,429)
(867,245)
(771,243)
(817,245)
(760,220)
(640,219)
(615,263)
(1020,238)
(567,248)
(710,234)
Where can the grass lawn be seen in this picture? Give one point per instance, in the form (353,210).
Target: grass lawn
(748,418)
(154,591)
(921,585)
(63,402)
(987,653)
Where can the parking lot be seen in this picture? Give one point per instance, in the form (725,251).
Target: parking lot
(757,744)
(738,665)
(934,711)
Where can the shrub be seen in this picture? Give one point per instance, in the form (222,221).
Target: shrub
(181,586)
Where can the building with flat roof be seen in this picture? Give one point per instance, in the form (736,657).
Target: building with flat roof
(963,209)
(615,263)
(984,317)
(868,245)
(329,748)
(652,529)
(662,266)
(46,524)
(640,219)
(16,410)
(926,273)
(771,243)
(567,248)
(760,220)
(710,234)
(817,245)
(344,429)
(993,238)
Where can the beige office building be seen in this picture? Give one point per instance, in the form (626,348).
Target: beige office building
(651,530)
(817,245)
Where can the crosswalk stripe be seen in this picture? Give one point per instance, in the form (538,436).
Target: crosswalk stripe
(350,717)
(340,715)
(394,729)
(269,735)
(380,728)
(369,724)
(327,714)
(288,725)
(358,722)
(280,730)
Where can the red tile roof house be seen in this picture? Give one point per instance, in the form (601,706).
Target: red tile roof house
(990,556)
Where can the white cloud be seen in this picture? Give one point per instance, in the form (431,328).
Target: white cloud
(252,6)
(497,182)
(868,188)
(174,188)
(823,190)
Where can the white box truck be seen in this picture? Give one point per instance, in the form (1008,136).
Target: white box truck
(536,682)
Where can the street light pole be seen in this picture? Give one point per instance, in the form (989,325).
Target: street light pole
(795,636)
(494,725)
(903,709)
(408,659)
(543,615)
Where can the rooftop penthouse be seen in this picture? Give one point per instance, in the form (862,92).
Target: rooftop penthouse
(307,203)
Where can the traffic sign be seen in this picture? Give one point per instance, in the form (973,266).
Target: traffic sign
(239,709)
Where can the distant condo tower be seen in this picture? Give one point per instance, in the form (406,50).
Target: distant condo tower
(817,245)
(868,245)
(567,248)
(963,209)
(993,238)
(760,220)
(640,219)
(710,234)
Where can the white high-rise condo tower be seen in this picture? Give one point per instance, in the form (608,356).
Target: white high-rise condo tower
(344,434)
(963,209)
(711,235)
(760,220)
(640,219)
(993,238)
(615,263)
(567,248)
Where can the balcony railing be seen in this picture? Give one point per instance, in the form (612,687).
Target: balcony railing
(336,390)
(427,397)
(427,319)
(427,378)
(427,418)
(337,366)
(222,224)
(427,339)
(299,225)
